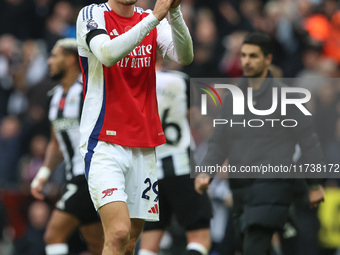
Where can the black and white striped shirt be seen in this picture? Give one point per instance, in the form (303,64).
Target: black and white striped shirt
(64,115)
(172,96)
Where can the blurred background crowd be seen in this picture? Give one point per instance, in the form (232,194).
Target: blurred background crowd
(307,46)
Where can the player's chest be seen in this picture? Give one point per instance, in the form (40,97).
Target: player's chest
(116,27)
(65,106)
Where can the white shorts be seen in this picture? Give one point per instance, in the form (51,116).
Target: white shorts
(120,173)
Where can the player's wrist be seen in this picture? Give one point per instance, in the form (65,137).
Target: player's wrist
(175,10)
(43,173)
(152,19)
(176,16)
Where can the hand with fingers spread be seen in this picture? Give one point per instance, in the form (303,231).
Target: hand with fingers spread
(162,8)
(202,182)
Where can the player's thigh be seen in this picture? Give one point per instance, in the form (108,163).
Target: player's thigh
(60,227)
(120,173)
(150,240)
(142,185)
(105,167)
(115,219)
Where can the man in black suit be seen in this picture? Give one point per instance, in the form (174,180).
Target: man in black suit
(261,205)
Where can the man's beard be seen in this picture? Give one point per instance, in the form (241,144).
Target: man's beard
(128,2)
(256,75)
(58,76)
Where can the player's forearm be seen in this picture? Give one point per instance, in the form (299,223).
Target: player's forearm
(53,156)
(109,52)
(183,48)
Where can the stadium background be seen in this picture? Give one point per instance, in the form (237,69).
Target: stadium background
(307,45)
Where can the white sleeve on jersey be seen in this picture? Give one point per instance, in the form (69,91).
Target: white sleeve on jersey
(174,40)
(110,51)
(91,17)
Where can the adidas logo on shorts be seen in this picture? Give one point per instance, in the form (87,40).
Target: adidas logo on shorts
(154,209)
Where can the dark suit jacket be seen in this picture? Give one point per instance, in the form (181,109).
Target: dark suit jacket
(263,202)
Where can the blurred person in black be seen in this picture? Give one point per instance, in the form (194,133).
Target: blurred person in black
(75,209)
(261,206)
(10,150)
(32,242)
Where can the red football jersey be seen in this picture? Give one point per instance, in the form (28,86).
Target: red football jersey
(120,104)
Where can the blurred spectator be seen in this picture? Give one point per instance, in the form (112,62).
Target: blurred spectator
(231,64)
(16,18)
(328,67)
(287,35)
(35,120)
(28,73)
(330,7)
(229,18)
(60,24)
(54,31)
(207,49)
(42,10)
(65,11)
(332,41)
(311,57)
(251,11)
(10,140)
(32,243)
(33,64)
(30,163)
(324,26)
(318,27)
(17,101)
(315,72)
(9,58)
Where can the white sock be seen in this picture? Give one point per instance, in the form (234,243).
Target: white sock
(146,252)
(197,247)
(56,249)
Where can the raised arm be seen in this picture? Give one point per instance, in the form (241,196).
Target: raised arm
(91,34)
(174,40)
